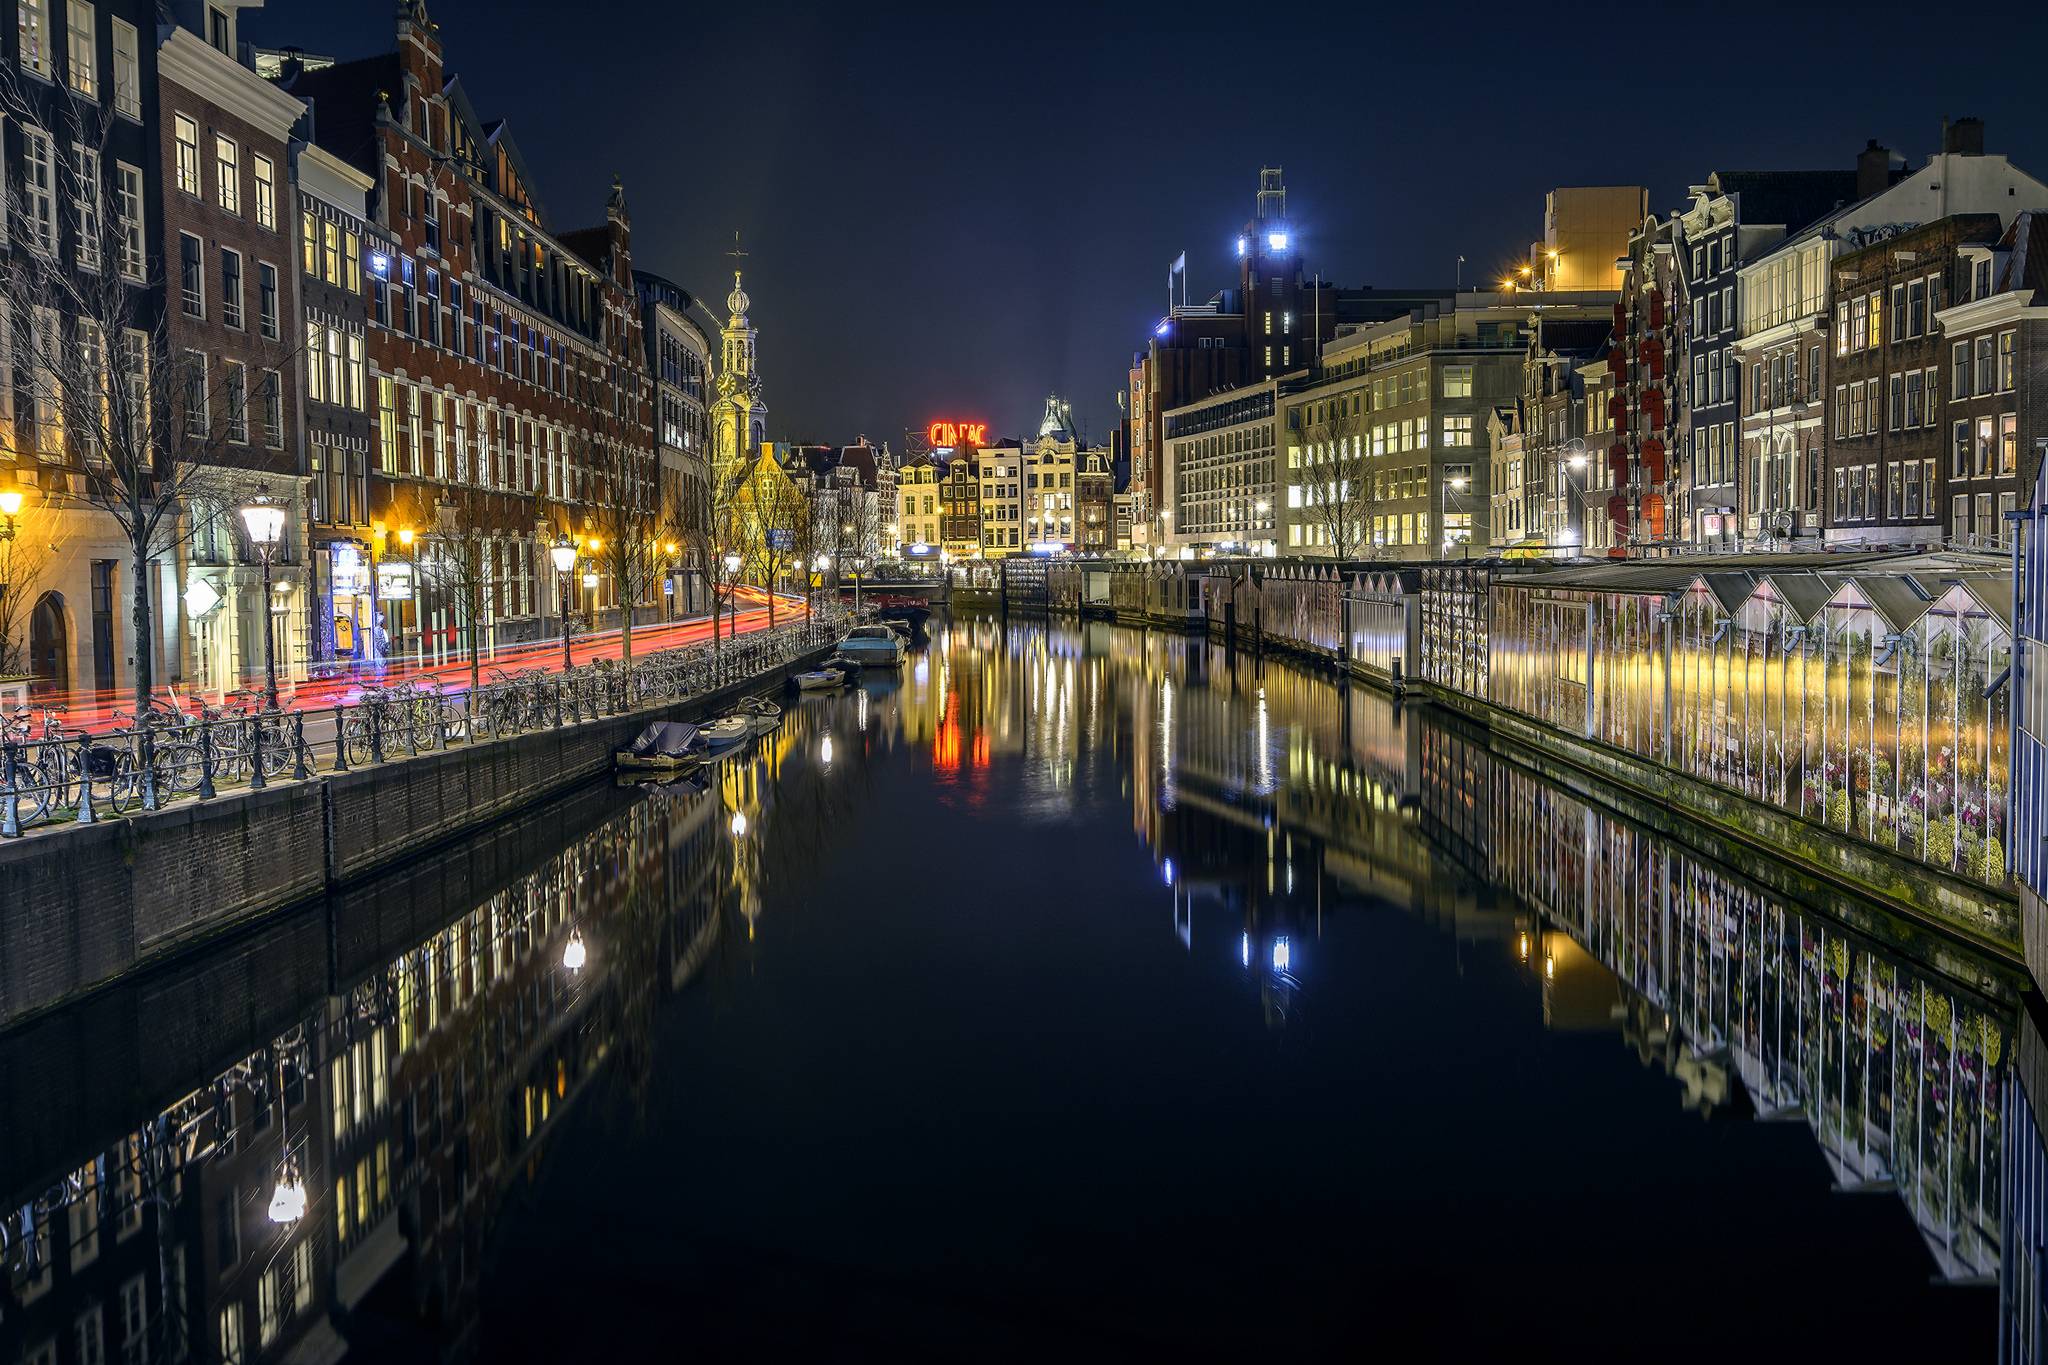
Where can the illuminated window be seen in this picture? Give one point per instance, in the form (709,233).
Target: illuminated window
(227,171)
(82,64)
(127,71)
(33,22)
(187,133)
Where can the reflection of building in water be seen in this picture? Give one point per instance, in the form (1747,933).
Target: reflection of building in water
(1900,1075)
(405,1106)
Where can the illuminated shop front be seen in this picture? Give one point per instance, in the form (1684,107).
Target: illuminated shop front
(1873,700)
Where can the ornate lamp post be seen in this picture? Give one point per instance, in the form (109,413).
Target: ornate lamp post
(563,554)
(263,516)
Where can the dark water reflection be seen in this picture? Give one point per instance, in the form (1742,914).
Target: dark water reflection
(1081,992)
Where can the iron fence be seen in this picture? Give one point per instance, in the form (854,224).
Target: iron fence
(50,773)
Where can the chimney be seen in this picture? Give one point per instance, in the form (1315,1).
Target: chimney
(1965,136)
(1873,169)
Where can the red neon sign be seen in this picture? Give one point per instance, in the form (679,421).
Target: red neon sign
(951,434)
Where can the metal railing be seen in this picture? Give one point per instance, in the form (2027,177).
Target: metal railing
(50,773)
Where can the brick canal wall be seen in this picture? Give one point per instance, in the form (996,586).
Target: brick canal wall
(82,904)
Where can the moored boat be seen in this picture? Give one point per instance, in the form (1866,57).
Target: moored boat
(666,746)
(872,645)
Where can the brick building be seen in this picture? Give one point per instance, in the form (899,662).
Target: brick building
(1887,440)
(509,386)
(1994,339)
(85,67)
(233,328)
(335,239)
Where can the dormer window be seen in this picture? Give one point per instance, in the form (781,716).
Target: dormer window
(1980,287)
(218,31)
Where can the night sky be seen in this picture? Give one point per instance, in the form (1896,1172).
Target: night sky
(954,211)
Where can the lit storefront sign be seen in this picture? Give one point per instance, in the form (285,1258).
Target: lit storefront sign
(394,582)
(201,597)
(345,568)
(951,434)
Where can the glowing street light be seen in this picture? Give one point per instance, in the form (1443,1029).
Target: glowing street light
(263,518)
(10,508)
(563,555)
(288,1200)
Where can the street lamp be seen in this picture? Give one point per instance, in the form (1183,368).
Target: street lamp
(263,516)
(288,1200)
(10,508)
(563,554)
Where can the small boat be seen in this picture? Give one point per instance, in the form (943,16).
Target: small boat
(872,645)
(666,746)
(826,679)
(753,716)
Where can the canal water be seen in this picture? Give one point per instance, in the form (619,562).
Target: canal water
(1078,992)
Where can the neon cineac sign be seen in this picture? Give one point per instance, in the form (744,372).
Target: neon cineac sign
(957,434)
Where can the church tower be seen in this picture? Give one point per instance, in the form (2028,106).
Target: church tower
(739,417)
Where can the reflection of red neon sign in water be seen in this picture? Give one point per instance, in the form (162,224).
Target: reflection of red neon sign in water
(946,743)
(950,434)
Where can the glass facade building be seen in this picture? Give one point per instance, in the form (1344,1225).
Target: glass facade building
(1869,700)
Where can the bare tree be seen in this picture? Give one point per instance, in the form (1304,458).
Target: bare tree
(115,422)
(459,558)
(624,513)
(1341,485)
(26,552)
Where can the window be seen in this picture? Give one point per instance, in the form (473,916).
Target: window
(1842,327)
(1960,387)
(231,1335)
(335,393)
(1916,308)
(1987,365)
(127,71)
(266,190)
(1981,464)
(1929,417)
(39,189)
(387,425)
(266,299)
(2005,361)
(273,411)
(1859,321)
(1959,517)
(1959,463)
(1915,392)
(128,204)
(2008,443)
(1895,404)
(352,257)
(316,384)
(187,133)
(85,198)
(1898,312)
(1895,486)
(236,389)
(1912,508)
(1876,334)
(1856,409)
(330,242)
(33,21)
(81,65)
(231,288)
(309,242)
(196,420)
(227,173)
(1458,381)
(92,1344)
(191,276)
(135,1319)
(354,397)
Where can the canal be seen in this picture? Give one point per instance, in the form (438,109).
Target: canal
(1081,991)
